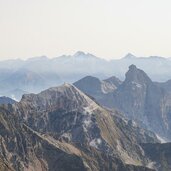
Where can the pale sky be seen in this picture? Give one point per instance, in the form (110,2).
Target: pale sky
(106,28)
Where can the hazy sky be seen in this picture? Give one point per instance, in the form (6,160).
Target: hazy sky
(106,28)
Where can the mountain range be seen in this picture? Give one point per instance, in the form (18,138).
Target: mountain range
(36,74)
(96,122)
(63,129)
(137,97)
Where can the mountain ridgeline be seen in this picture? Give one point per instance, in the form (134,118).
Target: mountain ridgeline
(6,100)
(33,75)
(98,123)
(63,129)
(140,99)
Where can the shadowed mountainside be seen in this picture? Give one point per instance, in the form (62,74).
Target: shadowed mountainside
(140,99)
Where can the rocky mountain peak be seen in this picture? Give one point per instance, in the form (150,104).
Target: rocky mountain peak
(132,67)
(97,88)
(79,53)
(136,75)
(83,55)
(129,56)
(90,79)
(66,97)
(89,84)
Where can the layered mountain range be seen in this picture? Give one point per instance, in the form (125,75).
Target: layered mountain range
(39,73)
(138,98)
(63,129)
(99,123)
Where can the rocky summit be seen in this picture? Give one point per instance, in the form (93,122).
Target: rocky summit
(97,88)
(63,129)
(141,99)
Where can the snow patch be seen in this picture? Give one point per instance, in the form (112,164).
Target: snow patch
(91,105)
(87,123)
(162,140)
(95,142)
(151,165)
(89,109)
(67,136)
(136,84)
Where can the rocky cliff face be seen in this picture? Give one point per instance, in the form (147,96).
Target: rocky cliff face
(63,129)
(26,150)
(144,101)
(67,114)
(141,99)
(113,80)
(159,154)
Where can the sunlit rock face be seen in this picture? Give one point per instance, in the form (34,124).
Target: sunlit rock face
(61,128)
